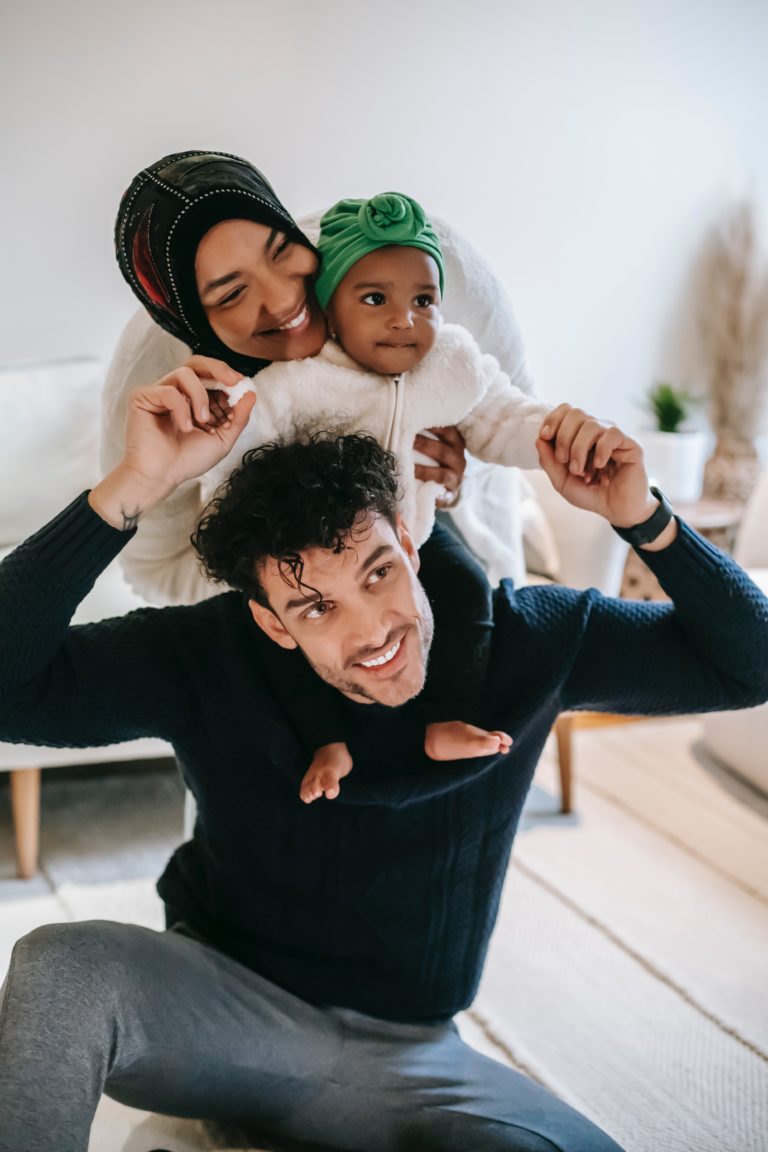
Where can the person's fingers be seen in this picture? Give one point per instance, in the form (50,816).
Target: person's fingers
(566,433)
(435,449)
(237,417)
(552,422)
(190,383)
(444,476)
(554,469)
(166,398)
(445,499)
(584,441)
(610,440)
(211,369)
(449,435)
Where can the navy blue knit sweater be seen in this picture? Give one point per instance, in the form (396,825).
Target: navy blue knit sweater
(383,900)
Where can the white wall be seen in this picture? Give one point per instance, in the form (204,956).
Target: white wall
(584,145)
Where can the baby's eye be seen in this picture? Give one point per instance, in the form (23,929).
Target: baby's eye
(425,300)
(374,298)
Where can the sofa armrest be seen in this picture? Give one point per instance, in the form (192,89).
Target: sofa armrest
(591,555)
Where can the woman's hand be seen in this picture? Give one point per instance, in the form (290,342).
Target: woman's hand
(450,462)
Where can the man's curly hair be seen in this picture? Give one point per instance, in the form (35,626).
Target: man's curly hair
(287,497)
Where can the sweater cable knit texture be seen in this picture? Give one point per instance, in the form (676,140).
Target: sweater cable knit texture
(385,899)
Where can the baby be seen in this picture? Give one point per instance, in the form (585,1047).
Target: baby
(392,368)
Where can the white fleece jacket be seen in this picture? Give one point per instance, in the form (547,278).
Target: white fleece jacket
(160,563)
(455,384)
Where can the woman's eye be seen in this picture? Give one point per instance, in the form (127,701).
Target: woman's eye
(375,298)
(231,297)
(280,248)
(425,300)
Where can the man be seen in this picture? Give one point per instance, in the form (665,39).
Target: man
(316,955)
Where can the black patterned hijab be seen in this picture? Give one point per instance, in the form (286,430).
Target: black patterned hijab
(162,218)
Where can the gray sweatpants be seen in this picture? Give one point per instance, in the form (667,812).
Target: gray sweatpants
(164,1022)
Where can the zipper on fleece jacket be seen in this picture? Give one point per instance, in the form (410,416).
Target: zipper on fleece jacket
(397,413)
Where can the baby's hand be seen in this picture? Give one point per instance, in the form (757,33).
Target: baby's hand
(233,394)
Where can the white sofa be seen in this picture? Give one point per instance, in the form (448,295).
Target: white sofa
(48,454)
(740,739)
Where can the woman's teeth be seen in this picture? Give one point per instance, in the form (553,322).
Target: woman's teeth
(295,322)
(385,659)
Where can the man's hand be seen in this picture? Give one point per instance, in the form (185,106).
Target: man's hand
(596,466)
(174,431)
(450,459)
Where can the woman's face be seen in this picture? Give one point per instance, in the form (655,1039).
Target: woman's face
(253,283)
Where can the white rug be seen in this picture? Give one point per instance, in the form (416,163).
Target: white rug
(627,971)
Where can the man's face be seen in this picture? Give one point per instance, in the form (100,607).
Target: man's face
(370,635)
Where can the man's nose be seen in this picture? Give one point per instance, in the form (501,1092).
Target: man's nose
(368,633)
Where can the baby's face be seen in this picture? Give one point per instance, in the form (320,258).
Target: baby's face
(385,313)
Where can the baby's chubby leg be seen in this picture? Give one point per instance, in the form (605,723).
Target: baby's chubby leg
(455,740)
(329,766)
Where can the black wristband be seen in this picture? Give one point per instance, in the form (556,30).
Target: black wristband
(647,532)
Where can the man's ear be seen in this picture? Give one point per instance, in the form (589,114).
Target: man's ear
(269,623)
(407,544)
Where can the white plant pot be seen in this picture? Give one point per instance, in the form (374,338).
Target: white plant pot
(675,462)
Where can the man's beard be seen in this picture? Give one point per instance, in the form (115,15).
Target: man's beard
(422,630)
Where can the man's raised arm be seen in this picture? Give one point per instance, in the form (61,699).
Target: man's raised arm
(171,435)
(51,675)
(708,648)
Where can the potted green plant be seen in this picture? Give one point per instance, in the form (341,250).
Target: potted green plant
(674,454)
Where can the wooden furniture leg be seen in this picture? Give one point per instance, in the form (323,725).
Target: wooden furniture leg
(25,807)
(563,733)
(565,725)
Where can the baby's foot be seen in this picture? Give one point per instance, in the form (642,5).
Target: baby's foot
(330,764)
(455,740)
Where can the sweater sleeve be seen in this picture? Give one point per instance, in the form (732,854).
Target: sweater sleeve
(502,428)
(707,650)
(159,563)
(87,685)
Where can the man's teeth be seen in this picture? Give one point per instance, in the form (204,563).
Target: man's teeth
(295,322)
(385,659)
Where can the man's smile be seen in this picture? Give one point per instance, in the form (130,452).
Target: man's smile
(387,662)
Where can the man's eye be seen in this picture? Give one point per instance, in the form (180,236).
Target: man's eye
(374,298)
(379,573)
(425,300)
(317,611)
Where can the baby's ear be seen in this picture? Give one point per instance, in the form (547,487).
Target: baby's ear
(269,623)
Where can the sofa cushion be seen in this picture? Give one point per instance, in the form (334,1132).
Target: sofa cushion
(48,440)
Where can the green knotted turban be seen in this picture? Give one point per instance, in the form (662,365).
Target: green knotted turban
(353,228)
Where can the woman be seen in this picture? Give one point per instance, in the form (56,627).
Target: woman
(255,307)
